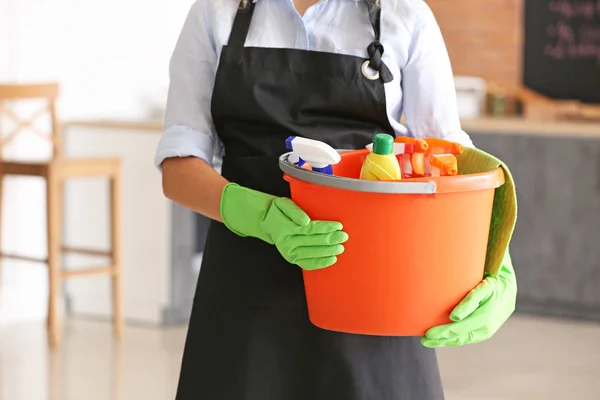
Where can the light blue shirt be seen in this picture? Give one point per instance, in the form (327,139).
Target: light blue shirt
(415,53)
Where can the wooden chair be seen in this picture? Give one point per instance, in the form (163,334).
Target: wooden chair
(55,171)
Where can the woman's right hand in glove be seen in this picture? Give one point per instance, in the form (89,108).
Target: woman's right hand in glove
(279,221)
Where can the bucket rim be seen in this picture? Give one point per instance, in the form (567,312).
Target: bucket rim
(357,185)
(425,185)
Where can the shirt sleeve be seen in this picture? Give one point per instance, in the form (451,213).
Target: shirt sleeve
(189,129)
(429,94)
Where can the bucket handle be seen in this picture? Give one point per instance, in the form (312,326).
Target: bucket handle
(358,185)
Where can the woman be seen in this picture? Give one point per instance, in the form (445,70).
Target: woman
(244,77)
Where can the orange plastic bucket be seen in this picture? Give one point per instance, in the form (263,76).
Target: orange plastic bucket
(416,246)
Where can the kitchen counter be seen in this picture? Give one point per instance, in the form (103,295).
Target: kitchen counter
(499,125)
(555,248)
(520,126)
(108,125)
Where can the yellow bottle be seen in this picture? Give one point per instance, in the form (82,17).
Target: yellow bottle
(381,164)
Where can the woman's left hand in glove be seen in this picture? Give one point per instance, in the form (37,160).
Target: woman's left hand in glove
(481,313)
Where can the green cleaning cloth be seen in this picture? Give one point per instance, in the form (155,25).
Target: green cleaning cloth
(504,213)
(485,309)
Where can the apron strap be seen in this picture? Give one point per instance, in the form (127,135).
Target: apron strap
(241,24)
(375,49)
(243,18)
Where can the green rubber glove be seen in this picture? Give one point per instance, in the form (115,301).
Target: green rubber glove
(279,221)
(481,313)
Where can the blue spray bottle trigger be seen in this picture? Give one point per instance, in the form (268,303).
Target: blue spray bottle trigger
(289,146)
(325,170)
(288,143)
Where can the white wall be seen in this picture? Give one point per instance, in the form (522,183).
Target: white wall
(146,226)
(109,56)
(6,12)
(106,54)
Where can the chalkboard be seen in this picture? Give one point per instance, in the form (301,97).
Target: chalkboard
(562,48)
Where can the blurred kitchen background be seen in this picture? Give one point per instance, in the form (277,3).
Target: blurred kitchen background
(528,85)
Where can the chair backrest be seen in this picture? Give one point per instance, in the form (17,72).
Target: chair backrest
(13,93)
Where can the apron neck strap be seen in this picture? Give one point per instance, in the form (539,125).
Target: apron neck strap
(375,17)
(241,24)
(243,18)
(375,49)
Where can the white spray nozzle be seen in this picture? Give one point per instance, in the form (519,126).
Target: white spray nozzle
(315,152)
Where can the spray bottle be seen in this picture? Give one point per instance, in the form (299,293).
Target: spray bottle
(441,157)
(443,165)
(319,156)
(413,162)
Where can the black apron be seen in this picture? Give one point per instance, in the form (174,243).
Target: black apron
(249,336)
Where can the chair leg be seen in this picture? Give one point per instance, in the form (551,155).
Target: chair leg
(115,223)
(54,215)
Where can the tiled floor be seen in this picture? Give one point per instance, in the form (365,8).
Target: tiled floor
(529,359)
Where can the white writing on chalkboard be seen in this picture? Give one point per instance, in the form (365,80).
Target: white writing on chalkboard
(573,8)
(576,34)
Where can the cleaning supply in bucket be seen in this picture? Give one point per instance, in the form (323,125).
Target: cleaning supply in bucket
(413,162)
(381,164)
(445,153)
(318,155)
(441,146)
(443,165)
(410,154)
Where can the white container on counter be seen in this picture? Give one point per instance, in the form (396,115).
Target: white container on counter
(470,95)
